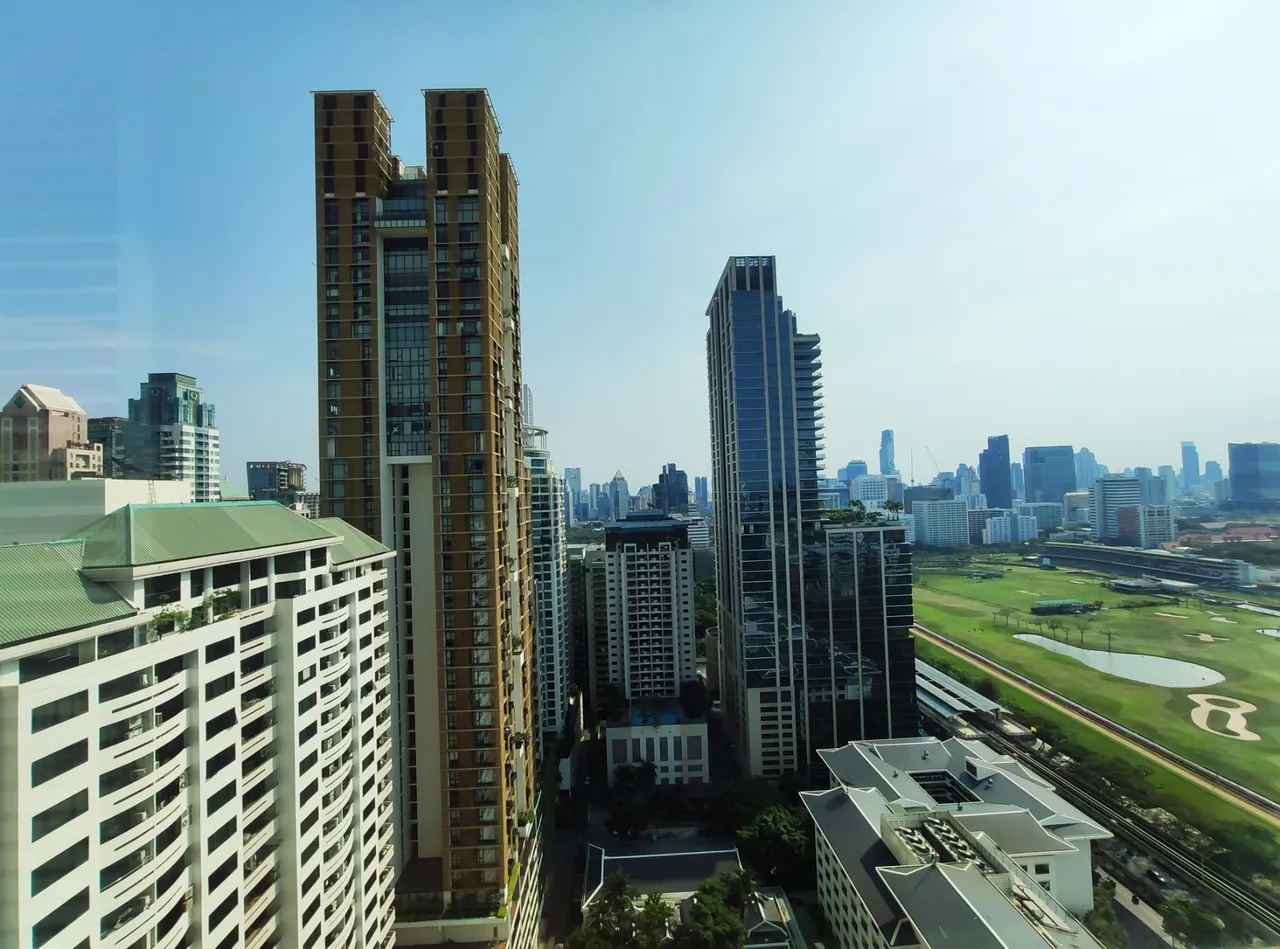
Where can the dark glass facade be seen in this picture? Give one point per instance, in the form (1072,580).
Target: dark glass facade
(1050,472)
(765,400)
(856,677)
(993,471)
(1254,472)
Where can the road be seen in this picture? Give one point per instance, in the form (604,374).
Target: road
(1140,921)
(1225,794)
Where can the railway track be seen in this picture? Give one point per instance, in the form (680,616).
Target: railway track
(1246,797)
(1236,891)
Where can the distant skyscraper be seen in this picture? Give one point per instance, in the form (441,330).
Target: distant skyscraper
(44,437)
(172,435)
(1086,469)
(619,497)
(1190,466)
(701,496)
(761,500)
(1152,487)
(1254,472)
(528,405)
(671,492)
(886,453)
(1016,482)
(573,483)
(852,470)
(1212,472)
(993,471)
(966,480)
(1050,472)
(108,431)
(1170,479)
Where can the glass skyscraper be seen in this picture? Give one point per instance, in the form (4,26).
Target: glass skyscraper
(1050,472)
(766,436)
(994,472)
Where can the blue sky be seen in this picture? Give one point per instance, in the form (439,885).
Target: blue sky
(1056,221)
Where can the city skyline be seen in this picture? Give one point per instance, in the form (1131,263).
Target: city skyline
(1053,201)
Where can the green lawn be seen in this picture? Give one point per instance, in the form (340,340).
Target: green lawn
(962,609)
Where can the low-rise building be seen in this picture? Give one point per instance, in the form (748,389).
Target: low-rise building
(923,843)
(196,706)
(658,733)
(44,437)
(1075,508)
(1011,529)
(1210,572)
(978,518)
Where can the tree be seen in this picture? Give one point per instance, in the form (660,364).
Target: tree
(739,888)
(735,804)
(1054,626)
(775,843)
(613,916)
(1004,613)
(894,508)
(652,922)
(1102,920)
(1191,923)
(713,923)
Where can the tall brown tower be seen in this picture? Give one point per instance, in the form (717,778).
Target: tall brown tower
(420,390)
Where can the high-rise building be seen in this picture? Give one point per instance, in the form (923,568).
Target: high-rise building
(573,485)
(1153,488)
(108,431)
(619,497)
(993,471)
(1254,472)
(967,481)
(701,497)
(649,579)
(1106,496)
(1016,480)
(198,717)
(1050,472)
(1144,525)
(1212,472)
(761,499)
(1047,514)
(421,389)
(595,594)
(172,435)
(671,491)
(941,523)
(1190,467)
(528,405)
(1170,478)
(871,490)
(1075,508)
(44,437)
(1010,528)
(852,470)
(550,588)
(855,657)
(887,465)
(923,492)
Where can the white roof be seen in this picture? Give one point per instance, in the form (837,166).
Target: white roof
(47,397)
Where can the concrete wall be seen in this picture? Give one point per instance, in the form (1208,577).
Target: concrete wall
(36,511)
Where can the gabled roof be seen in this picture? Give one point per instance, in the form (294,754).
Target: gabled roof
(47,397)
(141,534)
(356,544)
(42,591)
(955,907)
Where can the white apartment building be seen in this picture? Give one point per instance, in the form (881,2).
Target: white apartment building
(699,531)
(659,735)
(1011,529)
(1075,507)
(941,523)
(649,594)
(1107,495)
(1156,525)
(872,490)
(195,733)
(550,587)
(921,842)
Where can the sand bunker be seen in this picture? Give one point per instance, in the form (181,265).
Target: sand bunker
(1029,593)
(1077,581)
(1206,637)
(1236,725)
(1223,619)
(1173,615)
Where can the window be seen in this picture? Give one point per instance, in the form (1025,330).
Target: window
(219,650)
(468,210)
(54,817)
(62,710)
(58,920)
(1042,869)
(442,210)
(222,835)
(59,762)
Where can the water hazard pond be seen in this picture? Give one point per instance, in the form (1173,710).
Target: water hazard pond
(1153,670)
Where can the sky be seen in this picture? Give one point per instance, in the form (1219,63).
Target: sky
(1058,222)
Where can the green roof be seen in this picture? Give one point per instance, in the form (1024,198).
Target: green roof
(42,591)
(141,534)
(356,544)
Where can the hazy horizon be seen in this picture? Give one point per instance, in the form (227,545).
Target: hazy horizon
(1057,223)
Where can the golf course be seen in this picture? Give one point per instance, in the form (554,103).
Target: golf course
(1200,680)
